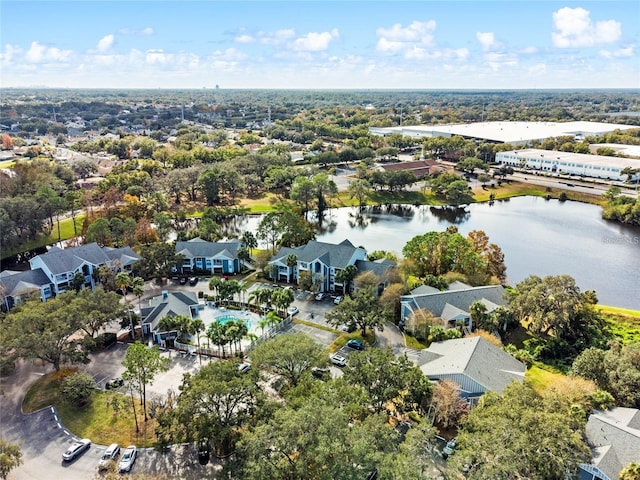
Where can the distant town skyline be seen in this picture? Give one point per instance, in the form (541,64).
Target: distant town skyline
(301,44)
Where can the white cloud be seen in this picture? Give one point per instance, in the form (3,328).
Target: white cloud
(487,40)
(314,41)
(409,39)
(529,50)
(105,43)
(576,29)
(39,53)
(10,51)
(624,52)
(230,54)
(244,38)
(131,31)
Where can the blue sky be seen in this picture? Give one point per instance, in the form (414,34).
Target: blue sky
(328,44)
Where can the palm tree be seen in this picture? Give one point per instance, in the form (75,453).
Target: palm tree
(138,289)
(261,296)
(291,261)
(197,326)
(123,280)
(345,275)
(217,334)
(214,285)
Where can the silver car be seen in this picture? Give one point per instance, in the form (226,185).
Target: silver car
(128,459)
(76,449)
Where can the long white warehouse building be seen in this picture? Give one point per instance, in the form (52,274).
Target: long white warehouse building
(515,133)
(597,166)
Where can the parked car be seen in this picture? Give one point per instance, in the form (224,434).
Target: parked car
(183,280)
(244,367)
(320,296)
(128,459)
(321,373)
(114,383)
(449,448)
(109,456)
(193,281)
(76,448)
(355,344)
(338,299)
(292,310)
(204,451)
(338,360)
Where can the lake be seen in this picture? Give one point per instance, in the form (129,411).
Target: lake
(538,236)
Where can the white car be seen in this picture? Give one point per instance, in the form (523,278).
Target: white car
(292,310)
(338,360)
(320,296)
(76,449)
(244,367)
(109,456)
(338,299)
(128,458)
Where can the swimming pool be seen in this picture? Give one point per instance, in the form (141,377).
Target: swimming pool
(232,318)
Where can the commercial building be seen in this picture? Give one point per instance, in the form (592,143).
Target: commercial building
(514,133)
(551,161)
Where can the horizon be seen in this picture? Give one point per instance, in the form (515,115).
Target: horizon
(309,45)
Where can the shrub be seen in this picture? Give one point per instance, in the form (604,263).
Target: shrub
(7,366)
(77,388)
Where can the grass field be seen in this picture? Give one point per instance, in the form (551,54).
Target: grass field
(540,376)
(96,420)
(624,323)
(518,189)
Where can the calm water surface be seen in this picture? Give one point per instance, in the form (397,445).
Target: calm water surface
(537,236)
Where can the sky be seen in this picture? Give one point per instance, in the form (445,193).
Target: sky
(347,44)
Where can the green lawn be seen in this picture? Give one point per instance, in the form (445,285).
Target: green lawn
(96,420)
(66,232)
(541,376)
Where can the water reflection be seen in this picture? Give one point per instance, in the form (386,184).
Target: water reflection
(452,215)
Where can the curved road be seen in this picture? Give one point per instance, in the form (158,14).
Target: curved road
(43,439)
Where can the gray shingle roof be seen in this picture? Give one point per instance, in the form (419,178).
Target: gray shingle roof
(377,267)
(337,256)
(125,256)
(18,283)
(175,303)
(475,357)
(435,302)
(198,247)
(62,261)
(618,430)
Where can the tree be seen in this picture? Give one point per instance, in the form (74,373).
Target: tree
(289,355)
(282,299)
(361,310)
(123,281)
(157,260)
(142,364)
(45,331)
(344,276)
(315,439)
(209,181)
(217,401)
(447,407)
(98,308)
(77,388)
(269,230)
(519,435)
(10,458)
(303,192)
(386,378)
(560,316)
(616,371)
(630,472)
(360,189)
